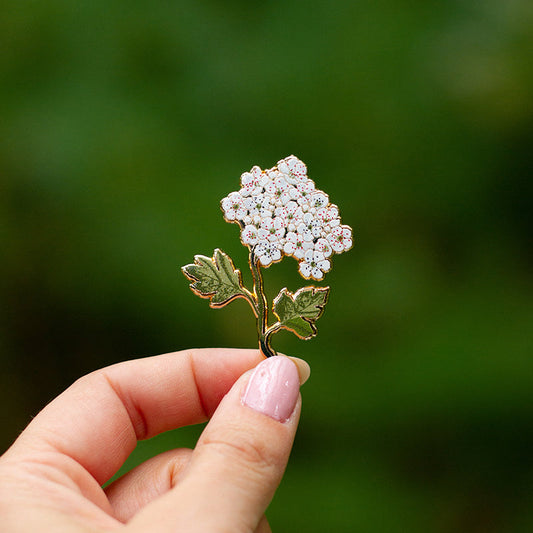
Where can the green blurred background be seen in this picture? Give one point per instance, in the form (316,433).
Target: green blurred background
(123,124)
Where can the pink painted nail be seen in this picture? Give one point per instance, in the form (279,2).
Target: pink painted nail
(273,388)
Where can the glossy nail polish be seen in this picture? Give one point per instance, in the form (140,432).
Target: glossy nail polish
(273,388)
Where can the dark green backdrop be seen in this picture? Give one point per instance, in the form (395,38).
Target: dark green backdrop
(123,124)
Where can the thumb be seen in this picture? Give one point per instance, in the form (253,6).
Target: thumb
(240,458)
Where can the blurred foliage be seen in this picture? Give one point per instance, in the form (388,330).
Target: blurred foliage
(124,124)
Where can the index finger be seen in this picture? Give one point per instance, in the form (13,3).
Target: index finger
(98,420)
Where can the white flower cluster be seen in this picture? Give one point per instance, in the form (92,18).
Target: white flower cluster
(281,213)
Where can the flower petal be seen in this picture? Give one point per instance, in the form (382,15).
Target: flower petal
(305,269)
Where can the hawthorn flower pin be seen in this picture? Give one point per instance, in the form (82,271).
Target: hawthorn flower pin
(280,213)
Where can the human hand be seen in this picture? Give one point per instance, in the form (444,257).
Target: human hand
(50,479)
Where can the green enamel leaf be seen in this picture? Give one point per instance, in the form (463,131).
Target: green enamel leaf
(298,312)
(215,278)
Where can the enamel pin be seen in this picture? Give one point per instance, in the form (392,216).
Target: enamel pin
(280,213)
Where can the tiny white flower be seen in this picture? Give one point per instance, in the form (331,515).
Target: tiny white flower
(246,179)
(251,182)
(319,199)
(247,183)
(283,167)
(296,167)
(340,239)
(290,243)
(293,168)
(275,252)
(310,227)
(314,265)
(267,252)
(291,213)
(233,206)
(256,172)
(272,229)
(261,249)
(305,188)
(329,215)
(323,246)
(278,190)
(295,245)
(259,204)
(249,235)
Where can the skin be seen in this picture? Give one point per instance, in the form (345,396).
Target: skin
(51,478)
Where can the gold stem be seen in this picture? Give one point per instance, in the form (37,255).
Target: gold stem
(262,310)
(271,330)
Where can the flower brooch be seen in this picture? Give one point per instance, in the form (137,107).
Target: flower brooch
(280,213)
